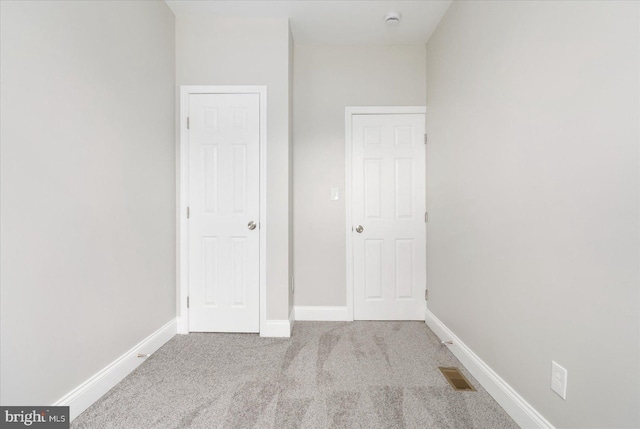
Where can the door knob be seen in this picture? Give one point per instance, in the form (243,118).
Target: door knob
(359,229)
(251,225)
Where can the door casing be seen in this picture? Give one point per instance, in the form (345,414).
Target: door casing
(350,111)
(182,165)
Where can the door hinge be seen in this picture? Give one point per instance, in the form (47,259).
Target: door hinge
(426,217)
(187,122)
(187,212)
(426,294)
(425,138)
(187,302)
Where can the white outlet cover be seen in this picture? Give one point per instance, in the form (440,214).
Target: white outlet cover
(559,380)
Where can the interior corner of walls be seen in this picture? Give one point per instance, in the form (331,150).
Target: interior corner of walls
(292,320)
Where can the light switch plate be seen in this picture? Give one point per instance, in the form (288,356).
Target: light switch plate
(335,194)
(559,380)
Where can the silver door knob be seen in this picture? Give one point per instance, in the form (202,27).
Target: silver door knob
(359,229)
(251,225)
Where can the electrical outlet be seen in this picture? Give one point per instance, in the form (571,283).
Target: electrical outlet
(559,380)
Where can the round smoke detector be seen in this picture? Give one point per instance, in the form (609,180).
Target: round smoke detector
(392,18)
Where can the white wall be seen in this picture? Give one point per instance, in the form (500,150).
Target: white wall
(87,183)
(533,186)
(326,80)
(212,50)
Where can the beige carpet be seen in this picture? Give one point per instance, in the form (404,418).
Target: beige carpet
(327,375)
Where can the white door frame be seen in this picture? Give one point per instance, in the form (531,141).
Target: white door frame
(182,188)
(350,111)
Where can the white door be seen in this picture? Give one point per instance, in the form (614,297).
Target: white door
(388,213)
(224,144)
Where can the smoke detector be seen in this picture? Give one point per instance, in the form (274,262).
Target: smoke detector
(392,18)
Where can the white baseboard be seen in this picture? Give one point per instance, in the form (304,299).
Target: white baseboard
(277,328)
(80,398)
(514,404)
(183,325)
(318,313)
(268,328)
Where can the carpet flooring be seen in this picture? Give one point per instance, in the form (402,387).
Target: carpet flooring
(327,375)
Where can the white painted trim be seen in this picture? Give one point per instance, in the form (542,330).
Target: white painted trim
(276,328)
(384,110)
(183,202)
(263,206)
(349,112)
(319,313)
(515,405)
(183,195)
(83,396)
(182,325)
(348,127)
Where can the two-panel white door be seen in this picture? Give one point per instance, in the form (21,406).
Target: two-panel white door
(388,214)
(223,195)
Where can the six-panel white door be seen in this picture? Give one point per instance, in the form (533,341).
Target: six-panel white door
(388,208)
(224,145)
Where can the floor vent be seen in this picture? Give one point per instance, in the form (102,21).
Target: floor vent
(456,379)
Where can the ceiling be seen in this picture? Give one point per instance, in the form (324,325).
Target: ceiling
(334,22)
